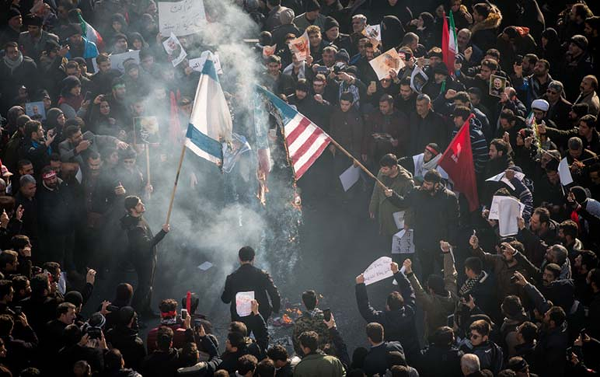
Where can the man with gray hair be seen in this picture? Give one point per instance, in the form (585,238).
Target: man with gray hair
(469,364)
(559,106)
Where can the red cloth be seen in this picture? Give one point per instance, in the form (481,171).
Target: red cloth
(178,337)
(457,161)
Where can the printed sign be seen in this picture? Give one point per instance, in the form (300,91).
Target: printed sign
(243,303)
(145,130)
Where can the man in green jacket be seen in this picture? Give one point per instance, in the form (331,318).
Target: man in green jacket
(315,362)
(398,179)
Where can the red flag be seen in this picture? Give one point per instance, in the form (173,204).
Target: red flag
(457,161)
(445,41)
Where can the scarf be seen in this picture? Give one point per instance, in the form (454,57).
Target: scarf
(13,64)
(470,284)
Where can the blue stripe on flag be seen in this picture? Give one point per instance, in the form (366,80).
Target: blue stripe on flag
(204,142)
(286,110)
(209,69)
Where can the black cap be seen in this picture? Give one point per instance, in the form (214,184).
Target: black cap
(32,19)
(580,41)
(330,22)
(312,5)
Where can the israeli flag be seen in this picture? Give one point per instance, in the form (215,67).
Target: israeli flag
(210,123)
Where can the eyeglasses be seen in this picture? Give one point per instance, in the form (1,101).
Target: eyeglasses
(551,92)
(474,336)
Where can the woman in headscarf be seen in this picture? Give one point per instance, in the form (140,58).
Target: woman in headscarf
(551,49)
(392,32)
(71,99)
(55,119)
(424,27)
(11,117)
(100,121)
(137,42)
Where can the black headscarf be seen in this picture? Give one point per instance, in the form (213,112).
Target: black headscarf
(392,32)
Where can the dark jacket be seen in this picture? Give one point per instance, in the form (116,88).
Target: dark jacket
(142,242)
(161,364)
(229,359)
(550,352)
(25,74)
(431,129)
(249,278)
(489,353)
(129,343)
(396,125)
(436,217)
(376,360)
(399,325)
(36,152)
(347,129)
(440,361)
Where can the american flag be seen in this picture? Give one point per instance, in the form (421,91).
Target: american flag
(304,140)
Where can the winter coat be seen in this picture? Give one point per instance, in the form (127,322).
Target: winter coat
(376,360)
(318,364)
(431,129)
(249,278)
(396,125)
(437,307)
(142,243)
(489,353)
(436,217)
(399,325)
(551,351)
(440,361)
(383,208)
(347,129)
(129,343)
(484,32)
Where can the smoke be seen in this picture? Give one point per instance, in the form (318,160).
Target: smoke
(214,218)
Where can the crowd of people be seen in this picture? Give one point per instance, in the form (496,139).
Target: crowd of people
(468,302)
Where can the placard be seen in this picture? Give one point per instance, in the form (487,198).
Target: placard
(389,60)
(145,130)
(36,110)
(181,18)
(243,303)
(175,50)
(402,242)
(378,270)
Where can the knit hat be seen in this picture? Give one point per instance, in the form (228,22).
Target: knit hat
(441,69)
(74,298)
(330,22)
(540,104)
(342,55)
(286,16)
(312,5)
(580,194)
(118,36)
(32,20)
(51,45)
(434,54)
(69,83)
(580,41)
(12,13)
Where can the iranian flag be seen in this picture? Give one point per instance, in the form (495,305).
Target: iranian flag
(449,46)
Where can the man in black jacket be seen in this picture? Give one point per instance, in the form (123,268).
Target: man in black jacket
(435,220)
(376,361)
(399,317)
(142,251)
(249,278)
(442,357)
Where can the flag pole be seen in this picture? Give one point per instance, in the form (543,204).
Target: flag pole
(175,185)
(338,146)
(148,181)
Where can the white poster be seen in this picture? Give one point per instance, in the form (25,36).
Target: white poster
(175,50)
(300,47)
(349,177)
(181,18)
(497,202)
(378,270)
(389,60)
(564,172)
(243,303)
(509,212)
(399,219)
(117,61)
(402,242)
(502,178)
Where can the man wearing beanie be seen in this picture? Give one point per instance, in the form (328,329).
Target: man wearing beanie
(332,35)
(312,16)
(33,41)
(12,28)
(576,65)
(142,252)
(16,70)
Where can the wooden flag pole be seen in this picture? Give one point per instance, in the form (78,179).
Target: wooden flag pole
(175,185)
(148,180)
(335,143)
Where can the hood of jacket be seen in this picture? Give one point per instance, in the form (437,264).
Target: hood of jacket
(492,21)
